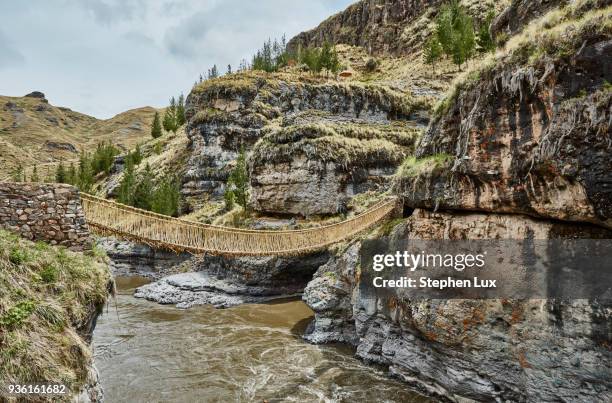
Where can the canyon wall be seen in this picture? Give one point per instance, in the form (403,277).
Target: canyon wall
(519,149)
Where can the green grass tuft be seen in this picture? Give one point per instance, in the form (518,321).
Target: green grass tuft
(414,167)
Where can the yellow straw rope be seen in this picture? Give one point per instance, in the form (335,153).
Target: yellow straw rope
(179,235)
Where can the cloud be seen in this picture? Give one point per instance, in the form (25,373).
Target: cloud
(102,57)
(108,12)
(10,55)
(231,29)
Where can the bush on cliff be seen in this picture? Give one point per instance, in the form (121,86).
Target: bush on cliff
(47,297)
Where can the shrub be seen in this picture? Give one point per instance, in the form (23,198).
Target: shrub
(16,315)
(18,256)
(49,274)
(371,65)
(103,158)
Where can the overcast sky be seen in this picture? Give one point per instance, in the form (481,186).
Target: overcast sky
(102,57)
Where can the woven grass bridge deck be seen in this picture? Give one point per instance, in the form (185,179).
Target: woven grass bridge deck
(110,218)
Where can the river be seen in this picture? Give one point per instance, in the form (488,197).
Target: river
(147,352)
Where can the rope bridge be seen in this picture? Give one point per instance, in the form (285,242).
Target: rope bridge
(110,218)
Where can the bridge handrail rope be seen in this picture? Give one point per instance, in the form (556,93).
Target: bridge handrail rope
(109,217)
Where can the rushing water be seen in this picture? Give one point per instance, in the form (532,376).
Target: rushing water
(152,353)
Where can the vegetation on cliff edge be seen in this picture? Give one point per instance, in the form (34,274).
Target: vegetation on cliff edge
(47,295)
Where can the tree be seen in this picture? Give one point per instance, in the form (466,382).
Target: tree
(85,176)
(60,174)
(72,174)
(103,158)
(213,72)
(18,174)
(455,32)
(180,111)
(135,155)
(334,62)
(229,69)
(166,197)
(230,199)
(34,177)
(128,184)
(483,36)
(238,181)
(325,56)
(156,129)
(312,58)
(432,51)
(169,121)
(143,192)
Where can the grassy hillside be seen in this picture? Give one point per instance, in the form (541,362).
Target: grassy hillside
(33,132)
(47,296)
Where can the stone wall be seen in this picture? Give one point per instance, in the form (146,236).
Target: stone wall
(45,212)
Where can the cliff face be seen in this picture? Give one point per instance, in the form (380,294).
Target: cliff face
(375,25)
(385,27)
(508,350)
(315,143)
(520,149)
(530,137)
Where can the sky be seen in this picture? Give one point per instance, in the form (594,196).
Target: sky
(103,57)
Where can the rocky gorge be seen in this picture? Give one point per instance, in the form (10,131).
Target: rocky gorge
(519,148)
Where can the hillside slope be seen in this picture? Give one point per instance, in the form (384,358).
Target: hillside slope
(34,132)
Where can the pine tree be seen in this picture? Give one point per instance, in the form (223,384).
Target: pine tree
(72,174)
(455,32)
(128,184)
(166,197)
(103,158)
(156,129)
(432,51)
(325,56)
(230,198)
(238,181)
(85,174)
(180,111)
(136,155)
(483,37)
(34,177)
(143,192)
(168,121)
(60,174)
(213,72)
(18,173)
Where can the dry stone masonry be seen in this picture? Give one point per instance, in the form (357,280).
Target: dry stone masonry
(47,212)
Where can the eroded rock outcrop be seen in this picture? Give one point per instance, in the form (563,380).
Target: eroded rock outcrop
(227,281)
(516,350)
(296,125)
(374,25)
(529,137)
